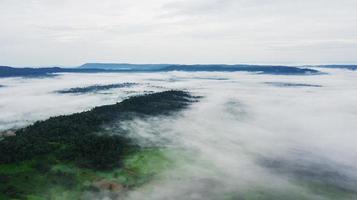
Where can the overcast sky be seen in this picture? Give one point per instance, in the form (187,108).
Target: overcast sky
(72,32)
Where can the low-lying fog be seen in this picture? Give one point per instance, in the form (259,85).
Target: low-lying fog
(250,134)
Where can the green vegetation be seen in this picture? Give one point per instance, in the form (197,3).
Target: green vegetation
(75,137)
(64,180)
(65,154)
(95,88)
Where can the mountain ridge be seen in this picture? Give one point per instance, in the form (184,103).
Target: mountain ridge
(7,71)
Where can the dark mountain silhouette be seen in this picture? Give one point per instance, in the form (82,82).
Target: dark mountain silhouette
(6,71)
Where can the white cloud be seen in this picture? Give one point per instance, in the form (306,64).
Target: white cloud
(175,31)
(239,121)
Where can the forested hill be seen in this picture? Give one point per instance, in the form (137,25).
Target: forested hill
(266,69)
(262,69)
(6,71)
(77,138)
(119,68)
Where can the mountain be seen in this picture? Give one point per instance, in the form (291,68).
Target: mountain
(123,66)
(269,69)
(6,71)
(266,69)
(349,67)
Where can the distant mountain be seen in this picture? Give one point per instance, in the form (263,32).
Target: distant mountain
(6,71)
(269,69)
(350,67)
(247,68)
(123,66)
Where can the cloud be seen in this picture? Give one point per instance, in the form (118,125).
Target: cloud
(175,31)
(244,137)
(302,130)
(197,7)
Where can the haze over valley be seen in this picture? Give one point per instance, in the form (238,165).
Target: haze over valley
(247,136)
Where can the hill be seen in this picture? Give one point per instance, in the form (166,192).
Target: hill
(70,154)
(6,71)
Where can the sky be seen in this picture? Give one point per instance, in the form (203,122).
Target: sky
(70,33)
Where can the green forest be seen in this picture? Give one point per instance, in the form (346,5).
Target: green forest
(78,140)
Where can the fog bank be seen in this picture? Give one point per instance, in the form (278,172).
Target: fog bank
(243,139)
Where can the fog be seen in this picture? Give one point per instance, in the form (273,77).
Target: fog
(245,136)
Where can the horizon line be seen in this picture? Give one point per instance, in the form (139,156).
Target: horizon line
(229,64)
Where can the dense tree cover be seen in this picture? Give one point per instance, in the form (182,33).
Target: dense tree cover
(77,137)
(95,88)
